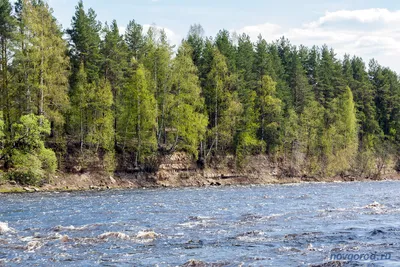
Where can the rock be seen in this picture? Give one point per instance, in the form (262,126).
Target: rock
(12,182)
(36,189)
(92,187)
(147,235)
(27,189)
(34,245)
(194,263)
(330,264)
(116,235)
(374,205)
(310,247)
(65,239)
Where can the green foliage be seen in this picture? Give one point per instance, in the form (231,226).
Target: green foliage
(270,108)
(137,123)
(185,105)
(223,106)
(29,160)
(107,95)
(43,66)
(85,42)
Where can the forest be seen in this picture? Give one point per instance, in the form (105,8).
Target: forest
(92,97)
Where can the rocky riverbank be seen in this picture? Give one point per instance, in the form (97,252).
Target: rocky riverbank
(179,170)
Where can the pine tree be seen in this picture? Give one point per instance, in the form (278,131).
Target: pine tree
(262,61)
(301,90)
(85,43)
(224,43)
(134,39)
(6,30)
(364,99)
(196,41)
(246,137)
(115,63)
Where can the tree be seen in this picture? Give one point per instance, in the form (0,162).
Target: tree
(134,39)
(344,141)
(28,161)
(137,122)
(115,63)
(262,60)
(85,42)
(196,41)
(47,70)
(6,30)
(364,99)
(270,109)
(301,90)
(158,62)
(226,47)
(185,116)
(223,106)
(311,130)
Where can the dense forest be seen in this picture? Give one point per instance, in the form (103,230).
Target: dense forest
(89,94)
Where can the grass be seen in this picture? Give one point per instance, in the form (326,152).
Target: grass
(12,190)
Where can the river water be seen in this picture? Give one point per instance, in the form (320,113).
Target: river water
(289,225)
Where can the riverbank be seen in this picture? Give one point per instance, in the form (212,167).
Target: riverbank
(179,170)
(98,181)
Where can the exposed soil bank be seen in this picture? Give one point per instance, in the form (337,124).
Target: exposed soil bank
(179,170)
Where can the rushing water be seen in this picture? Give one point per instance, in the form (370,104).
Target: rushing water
(291,225)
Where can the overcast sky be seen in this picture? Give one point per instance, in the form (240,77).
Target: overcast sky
(366,28)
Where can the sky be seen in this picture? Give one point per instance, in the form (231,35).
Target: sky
(366,28)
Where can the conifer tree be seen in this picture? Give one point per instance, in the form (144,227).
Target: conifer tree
(6,30)
(85,43)
(134,39)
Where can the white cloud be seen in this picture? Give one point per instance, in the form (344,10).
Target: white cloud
(267,30)
(363,15)
(121,30)
(173,37)
(369,33)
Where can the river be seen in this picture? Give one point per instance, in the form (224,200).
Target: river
(277,225)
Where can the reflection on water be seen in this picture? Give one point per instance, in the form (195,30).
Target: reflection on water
(292,225)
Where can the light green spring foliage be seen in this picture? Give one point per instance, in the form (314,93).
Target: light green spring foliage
(137,123)
(158,62)
(270,108)
(100,116)
(217,96)
(290,136)
(185,105)
(223,106)
(43,80)
(342,136)
(311,127)
(31,161)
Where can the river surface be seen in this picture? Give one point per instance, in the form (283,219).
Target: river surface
(289,225)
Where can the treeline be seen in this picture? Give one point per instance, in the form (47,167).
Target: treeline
(91,93)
